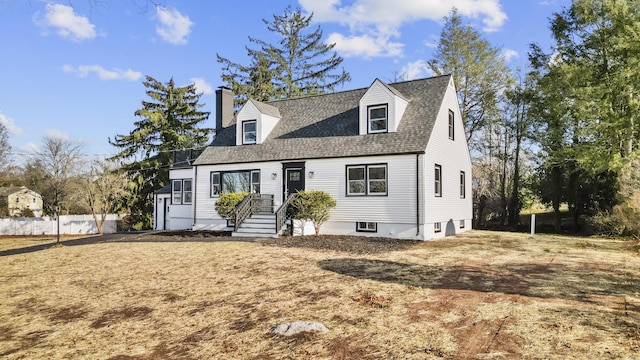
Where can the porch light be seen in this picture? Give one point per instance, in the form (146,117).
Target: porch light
(311,174)
(274,176)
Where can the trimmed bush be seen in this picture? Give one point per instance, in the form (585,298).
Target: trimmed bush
(227,203)
(312,205)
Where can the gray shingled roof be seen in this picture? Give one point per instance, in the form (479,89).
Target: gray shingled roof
(9,190)
(326,126)
(266,108)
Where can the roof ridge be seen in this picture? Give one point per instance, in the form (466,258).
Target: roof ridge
(353,90)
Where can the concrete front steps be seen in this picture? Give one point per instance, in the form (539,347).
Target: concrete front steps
(258,225)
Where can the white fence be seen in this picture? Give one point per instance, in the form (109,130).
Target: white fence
(69,224)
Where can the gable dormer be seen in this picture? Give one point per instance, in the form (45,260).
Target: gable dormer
(381,109)
(255,120)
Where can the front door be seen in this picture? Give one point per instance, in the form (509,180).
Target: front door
(293,178)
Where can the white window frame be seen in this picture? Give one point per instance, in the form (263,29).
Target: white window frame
(437,180)
(245,132)
(176,195)
(437,227)
(385,119)
(462,224)
(179,197)
(364,180)
(452,133)
(463,186)
(366,226)
(367,180)
(216,188)
(187,193)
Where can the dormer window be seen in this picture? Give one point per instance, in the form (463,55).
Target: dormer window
(249,132)
(378,121)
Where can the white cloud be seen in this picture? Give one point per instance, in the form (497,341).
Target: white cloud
(375,22)
(415,70)
(174,27)
(56,134)
(30,148)
(10,125)
(508,54)
(103,74)
(364,46)
(202,86)
(68,24)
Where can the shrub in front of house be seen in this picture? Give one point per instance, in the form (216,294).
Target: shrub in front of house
(314,206)
(227,203)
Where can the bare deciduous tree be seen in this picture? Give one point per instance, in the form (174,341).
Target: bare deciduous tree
(101,190)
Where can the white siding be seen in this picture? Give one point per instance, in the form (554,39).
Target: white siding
(248,112)
(394,213)
(206,215)
(453,156)
(399,206)
(379,94)
(180,216)
(264,123)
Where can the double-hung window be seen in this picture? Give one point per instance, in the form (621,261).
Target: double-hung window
(181,191)
(249,132)
(437,180)
(235,182)
(187,192)
(462,185)
(367,179)
(378,121)
(451,125)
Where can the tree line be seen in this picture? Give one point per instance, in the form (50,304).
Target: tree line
(563,132)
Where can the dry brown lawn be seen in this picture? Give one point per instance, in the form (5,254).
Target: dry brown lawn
(481,295)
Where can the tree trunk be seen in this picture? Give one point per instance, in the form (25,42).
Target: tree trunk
(514,201)
(556,177)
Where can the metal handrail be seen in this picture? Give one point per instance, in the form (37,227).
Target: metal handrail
(243,211)
(281,213)
(251,204)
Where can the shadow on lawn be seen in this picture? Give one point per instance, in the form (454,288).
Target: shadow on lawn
(133,236)
(558,281)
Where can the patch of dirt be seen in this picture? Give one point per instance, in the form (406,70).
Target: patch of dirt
(114,316)
(368,298)
(68,314)
(359,245)
(350,347)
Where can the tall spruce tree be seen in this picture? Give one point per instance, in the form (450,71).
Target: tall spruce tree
(481,78)
(171,121)
(479,72)
(299,63)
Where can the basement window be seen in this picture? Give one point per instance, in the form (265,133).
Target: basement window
(362,226)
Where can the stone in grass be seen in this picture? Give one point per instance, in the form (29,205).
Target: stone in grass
(296,327)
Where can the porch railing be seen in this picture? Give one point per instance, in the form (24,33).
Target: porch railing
(252,204)
(281,213)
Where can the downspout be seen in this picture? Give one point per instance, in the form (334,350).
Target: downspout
(194,202)
(155,211)
(417,194)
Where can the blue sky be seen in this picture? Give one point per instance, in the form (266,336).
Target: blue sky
(74,69)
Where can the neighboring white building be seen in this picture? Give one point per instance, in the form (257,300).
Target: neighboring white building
(19,198)
(393,156)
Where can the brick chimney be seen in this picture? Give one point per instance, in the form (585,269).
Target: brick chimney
(224,108)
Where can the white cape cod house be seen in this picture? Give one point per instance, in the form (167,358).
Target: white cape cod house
(393,156)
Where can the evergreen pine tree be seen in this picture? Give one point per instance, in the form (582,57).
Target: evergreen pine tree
(170,122)
(298,64)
